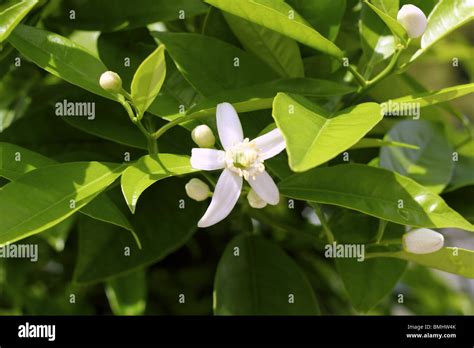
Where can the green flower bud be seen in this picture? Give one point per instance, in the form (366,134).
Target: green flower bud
(255,201)
(422,241)
(202,135)
(111,82)
(197,189)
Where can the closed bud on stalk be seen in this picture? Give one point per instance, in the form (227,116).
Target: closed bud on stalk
(422,241)
(413,20)
(202,135)
(197,189)
(111,82)
(255,201)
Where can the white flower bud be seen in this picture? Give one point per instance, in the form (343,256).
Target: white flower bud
(422,241)
(202,135)
(413,20)
(110,81)
(197,189)
(255,201)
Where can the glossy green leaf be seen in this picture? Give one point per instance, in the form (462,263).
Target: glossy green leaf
(148,79)
(57,235)
(261,96)
(106,15)
(395,27)
(313,136)
(216,26)
(281,53)
(324,15)
(431,165)
(374,191)
(16,161)
(160,223)
(463,174)
(447,16)
(127,293)
(60,57)
(280,17)
(369,281)
(138,43)
(55,192)
(103,209)
(256,277)
(375,142)
(10,17)
(148,170)
(211,65)
(377,41)
(453,260)
(435,97)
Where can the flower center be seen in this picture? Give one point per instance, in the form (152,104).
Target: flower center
(244,159)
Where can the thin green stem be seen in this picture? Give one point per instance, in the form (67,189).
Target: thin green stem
(324,223)
(176,122)
(380,230)
(358,77)
(380,76)
(151,141)
(388,69)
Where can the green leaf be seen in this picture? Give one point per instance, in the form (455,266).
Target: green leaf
(314,137)
(447,16)
(281,53)
(54,193)
(323,15)
(101,208)
(463,174)
(60,57)
(159,222)
(453,260)
(261,96)
(395,27)
(16,161)
(106,15)
(57,235)
(10,17)
(377,42)
(369,281)
(256,277)
(435,97)
(431,165)
(127,293)
(280,17)
(374,191)
(138,43)
(374,142)
(211,65)
(148,170)
(148,79)
(104,209)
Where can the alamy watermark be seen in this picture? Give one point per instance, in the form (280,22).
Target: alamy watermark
(392,108)
(345,251)
(67,108)
(19,251)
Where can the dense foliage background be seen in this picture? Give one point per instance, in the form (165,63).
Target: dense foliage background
(70,183)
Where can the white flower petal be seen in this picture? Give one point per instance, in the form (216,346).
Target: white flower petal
(265,187)
(228,125)
(207,159)
(270,144)
(225,197)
